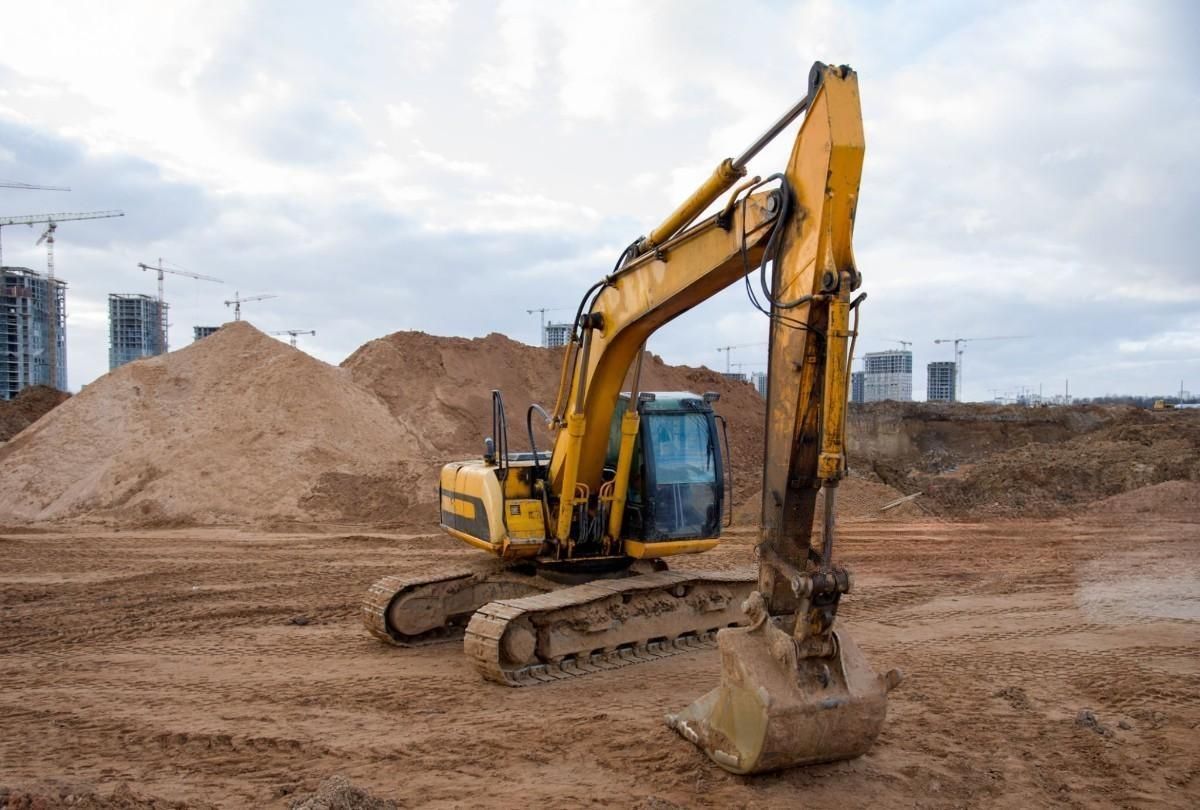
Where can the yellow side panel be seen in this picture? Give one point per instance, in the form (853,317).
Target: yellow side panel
(668,548)
(525,519)
(474,510)
(472,504)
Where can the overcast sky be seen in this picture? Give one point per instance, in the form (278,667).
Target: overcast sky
(1031,169)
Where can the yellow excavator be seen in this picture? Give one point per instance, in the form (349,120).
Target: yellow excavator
(578,537)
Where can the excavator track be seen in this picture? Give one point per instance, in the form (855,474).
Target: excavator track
(435,607)
(604,624)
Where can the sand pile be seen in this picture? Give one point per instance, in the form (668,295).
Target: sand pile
(28,406)
(237,427)
(1170,499)
(1045,479)
(443,386)
(242,428)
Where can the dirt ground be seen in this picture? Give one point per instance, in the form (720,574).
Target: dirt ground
(216,666)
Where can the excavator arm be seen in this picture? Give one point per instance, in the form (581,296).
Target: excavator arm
(633,302)
(793,691)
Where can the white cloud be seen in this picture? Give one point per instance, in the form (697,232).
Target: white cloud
(402,115)
(1029,167)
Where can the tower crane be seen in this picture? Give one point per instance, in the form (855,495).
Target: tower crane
(958,354)
(728,349)
(32,186)
(52,220)
(294,333)
(542,311)
(904,344)
(237,302)
(162,306)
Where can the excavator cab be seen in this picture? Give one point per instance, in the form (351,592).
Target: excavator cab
(677,478)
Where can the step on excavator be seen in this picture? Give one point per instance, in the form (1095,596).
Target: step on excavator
(577,579)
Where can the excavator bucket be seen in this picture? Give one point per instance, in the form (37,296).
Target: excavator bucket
(775,710)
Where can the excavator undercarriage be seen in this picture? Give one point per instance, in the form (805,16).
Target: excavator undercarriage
(523,627)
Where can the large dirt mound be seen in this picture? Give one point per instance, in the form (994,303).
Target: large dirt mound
(935,437)
(242,428)
(443,386)
(1179,500)
(29,405)
(237,427)
(1051,478)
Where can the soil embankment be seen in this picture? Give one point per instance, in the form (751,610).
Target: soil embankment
(240,428)
(29,405)
(971,460)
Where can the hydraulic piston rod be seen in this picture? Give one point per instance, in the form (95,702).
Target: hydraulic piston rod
(727,173)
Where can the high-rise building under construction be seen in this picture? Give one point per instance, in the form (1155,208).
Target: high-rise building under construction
(858,386)
(939,381)
(33,331)
(135,327)
(888,375)
(556,335)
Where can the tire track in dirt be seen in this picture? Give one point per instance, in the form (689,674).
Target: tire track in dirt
(212,695)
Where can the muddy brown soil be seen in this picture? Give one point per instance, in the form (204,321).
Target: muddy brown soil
(1049,663)
(29,405)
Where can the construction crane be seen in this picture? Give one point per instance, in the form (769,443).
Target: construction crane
(904,344)
(958,354)
(542,311)
(52,220)
(31,186)
(294,332)
(728,349)
(162,306)
(749,378)
(237,302)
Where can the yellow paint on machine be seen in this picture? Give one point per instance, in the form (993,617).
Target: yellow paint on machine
(468,539)
(474,510)
(525,519)
(457,506)
(640,550)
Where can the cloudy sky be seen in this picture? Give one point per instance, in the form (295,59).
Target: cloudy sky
(1031,169)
